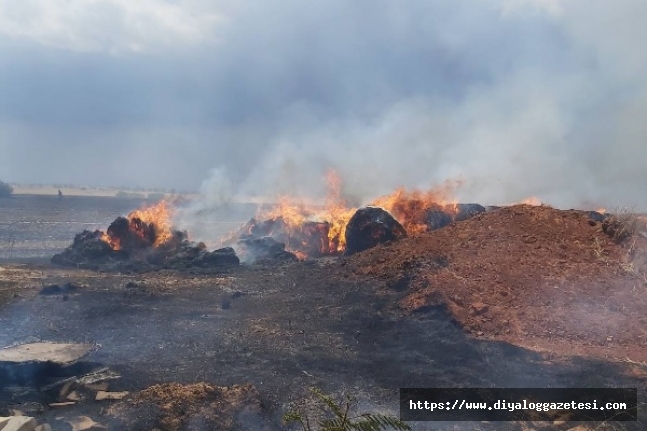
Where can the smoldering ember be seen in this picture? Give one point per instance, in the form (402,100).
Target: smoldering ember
(141,325)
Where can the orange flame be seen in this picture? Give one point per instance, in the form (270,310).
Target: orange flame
(114,243)
(532,200)
(410,207)
(295,213)
(159,215)
(337,213)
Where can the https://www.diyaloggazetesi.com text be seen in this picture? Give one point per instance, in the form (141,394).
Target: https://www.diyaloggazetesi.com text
(516,404)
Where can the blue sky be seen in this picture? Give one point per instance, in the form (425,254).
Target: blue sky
(518,98)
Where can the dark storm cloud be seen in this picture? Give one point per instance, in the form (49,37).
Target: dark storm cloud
(519,97)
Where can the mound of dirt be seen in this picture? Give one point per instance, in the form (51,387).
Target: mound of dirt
(534,276)
(173,406)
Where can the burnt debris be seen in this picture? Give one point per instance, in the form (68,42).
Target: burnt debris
(88,248)
(264,249)
(369,227)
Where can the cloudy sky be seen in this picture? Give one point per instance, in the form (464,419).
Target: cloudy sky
(516,97)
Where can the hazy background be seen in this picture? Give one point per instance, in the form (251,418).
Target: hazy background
(517,97)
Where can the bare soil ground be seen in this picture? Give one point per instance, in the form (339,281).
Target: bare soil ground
(471,305)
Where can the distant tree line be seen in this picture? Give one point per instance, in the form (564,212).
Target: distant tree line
(6,189)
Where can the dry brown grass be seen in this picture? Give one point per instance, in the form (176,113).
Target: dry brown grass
(628,229)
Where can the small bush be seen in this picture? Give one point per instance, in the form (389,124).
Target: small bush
(335,416)
(5,189)
(622,226)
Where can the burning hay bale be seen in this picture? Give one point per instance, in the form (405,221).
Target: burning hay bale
(143,240)
(131,234)
(316,230)
(369,227)
(271,239)
(278,238)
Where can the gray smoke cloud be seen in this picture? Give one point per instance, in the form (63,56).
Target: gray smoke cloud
(518,98)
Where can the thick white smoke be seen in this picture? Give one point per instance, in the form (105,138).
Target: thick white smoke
(571,133)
